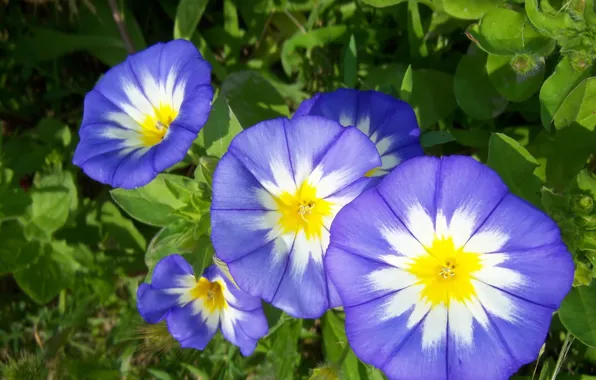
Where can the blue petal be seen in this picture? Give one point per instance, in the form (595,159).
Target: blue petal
(189,328)
(169,271)
(154,304)
(244,329)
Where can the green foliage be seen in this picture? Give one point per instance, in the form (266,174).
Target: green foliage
(509,82)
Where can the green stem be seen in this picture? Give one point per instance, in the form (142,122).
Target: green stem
(564,350)
(343,356)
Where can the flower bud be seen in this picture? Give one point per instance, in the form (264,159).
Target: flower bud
(325,372)
(525,64)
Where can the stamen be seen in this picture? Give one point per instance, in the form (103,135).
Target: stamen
(305,209)
(447,270)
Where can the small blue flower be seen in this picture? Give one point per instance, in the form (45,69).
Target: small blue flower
(445,274)
(194,309)
(389,123)
(275,194)
(143,114)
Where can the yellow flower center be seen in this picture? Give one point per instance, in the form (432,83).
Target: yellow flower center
(446,272)
(211,293)
(303,211)
(154,127)
(371,172)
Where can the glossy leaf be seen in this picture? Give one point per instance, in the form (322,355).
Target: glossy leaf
(578,313)
(252,98)
(469,9)
(513,86)
(155,202)
(188,15)
(515,165)
(221,127)
(578,107)
(506,32)
(474,91)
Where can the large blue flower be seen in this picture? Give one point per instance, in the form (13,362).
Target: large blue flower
(275,194)
(143,114)
(194,308)
(444,274)
(389,123)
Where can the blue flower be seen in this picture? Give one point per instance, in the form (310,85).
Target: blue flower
(389,123)
(143,114)
(194,309)
(444,274)
(275,194)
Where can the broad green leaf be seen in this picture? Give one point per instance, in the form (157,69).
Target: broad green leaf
(334,342)
(385,78)
(578,107)
(48,212)
(220,129)
(555,89)
(118,230)
(578,313)
(292,59)
(350,63)
(474,91)
(252,98)
(188,15)
(284,352)
(159,374)
(433,138)
(513,86)
(382,3)
(516,167)
(430,93)
(44,44)
(155,202)
(13,200)
(550,23)
(53,271)
(62,179)
(587,182)
(15,251)
(469,9)
(506,32)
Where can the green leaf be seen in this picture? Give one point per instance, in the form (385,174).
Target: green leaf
(469,9)
(159,374)
(207,166)
(513,86)
(188,15)
(284,351)
(351,63)
(44,44)
(474,91)
(15,251)
(433,138)
(578,313)
(386,78)
(430,93)
(382,3)
(48,212)
(516,167)
(506,32)
(556,88)
(552,24)
(578,107)
(252,98)
(416,34)
(221,127)
(155,202)
(119,230)
(13,200)
(547,369)
(334,342)
(292,60)
(62,179)
(53,271)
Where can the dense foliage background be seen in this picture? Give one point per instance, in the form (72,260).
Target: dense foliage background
(508,82)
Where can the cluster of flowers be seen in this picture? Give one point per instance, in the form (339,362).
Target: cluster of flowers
(441,271)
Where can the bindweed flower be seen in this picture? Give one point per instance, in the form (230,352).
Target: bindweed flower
(194,309)
(389,123)
(144,114)
(275,194)
(444,274)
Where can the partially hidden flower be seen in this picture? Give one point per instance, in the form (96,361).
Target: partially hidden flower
(144,114)
(390,123)
(444,274)
(275,194)
(194,309)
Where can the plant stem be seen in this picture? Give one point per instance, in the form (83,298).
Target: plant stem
(343,356)
(564,350)
(119,20)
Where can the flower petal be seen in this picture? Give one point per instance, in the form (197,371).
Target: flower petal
(191,326)
(243,328)
(154,304)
